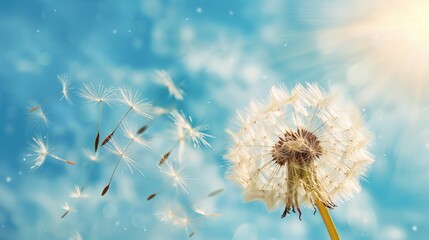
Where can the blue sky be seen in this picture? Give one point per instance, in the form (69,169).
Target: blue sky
(222,54)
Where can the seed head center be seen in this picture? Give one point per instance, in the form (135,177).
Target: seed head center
(296,147)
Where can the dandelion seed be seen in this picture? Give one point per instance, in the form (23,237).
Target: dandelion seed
(150,197)
(78,192)
(100,96)
(142,129)
(37,113)
(306,147)
(65,84)
(67,209)
(185,131)
(164,158)
(215,193)
(133,133)
(196,134)
(41,151)
(64,79)
(163,78)
(204,211)
(176,177)
(116,149)
(132,100)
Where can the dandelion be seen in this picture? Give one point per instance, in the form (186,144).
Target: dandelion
(163,78)
(307,147)
(64,79)
(40,151)
(67,208)
(99,96)
(78,192)
(116,149)
(132,100)
(185,131)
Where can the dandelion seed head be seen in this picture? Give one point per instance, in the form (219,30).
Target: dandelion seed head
(132,100)
(297,147)
(163,78)
(65,84)
(101,94)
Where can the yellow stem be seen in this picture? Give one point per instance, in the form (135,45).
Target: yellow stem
(330,226)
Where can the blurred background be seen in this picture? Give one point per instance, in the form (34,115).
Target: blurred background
(221,54)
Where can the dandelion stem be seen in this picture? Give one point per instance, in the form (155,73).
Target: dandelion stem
(330,226)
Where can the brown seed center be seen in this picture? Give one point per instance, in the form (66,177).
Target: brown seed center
(300,147)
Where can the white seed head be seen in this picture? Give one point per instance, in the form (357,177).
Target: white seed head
(298,147)
(163,78)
